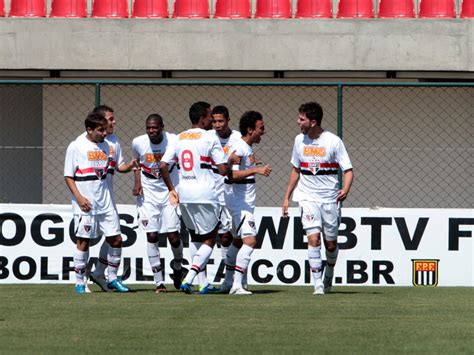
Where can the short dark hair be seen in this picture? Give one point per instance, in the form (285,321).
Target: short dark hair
(221,110)
(198,110)
(249,120)
(155,116)
(94,120)
(313,111)
(102,109)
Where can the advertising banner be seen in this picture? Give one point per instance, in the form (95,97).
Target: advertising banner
(378,247)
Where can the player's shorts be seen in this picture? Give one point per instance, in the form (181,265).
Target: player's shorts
(318,217)
(90,226)
(202,218)
(158,218)
(243,224)
(226,221)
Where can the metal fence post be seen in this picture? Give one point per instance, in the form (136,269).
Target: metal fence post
(97,94)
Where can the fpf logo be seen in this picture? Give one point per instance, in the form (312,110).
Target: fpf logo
(425,272)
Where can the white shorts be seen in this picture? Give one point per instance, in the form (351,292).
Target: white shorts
(226,221)
(155,218)
(318,217)
(243,225)
(94,226)
(202,218)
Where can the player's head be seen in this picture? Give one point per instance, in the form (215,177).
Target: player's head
(108,113)
(200,114)
(220,119)
(96,127)
(154,127)
(251,126)
(310,115)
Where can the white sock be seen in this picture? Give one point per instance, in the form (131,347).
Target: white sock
(331,258)
(199,262)
(80,264)
(243,261)
(178,255)
(315,263)
(193,249)
(155,262)
(224,252)
(102,262)
(230,261)
(113,258)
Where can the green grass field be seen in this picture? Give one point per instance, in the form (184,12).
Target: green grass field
(52,319)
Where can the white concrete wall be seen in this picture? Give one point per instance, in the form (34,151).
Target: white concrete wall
(330,44)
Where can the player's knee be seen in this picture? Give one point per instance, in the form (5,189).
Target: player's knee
(152,237)
(226,239)
(115,241)
(174,240)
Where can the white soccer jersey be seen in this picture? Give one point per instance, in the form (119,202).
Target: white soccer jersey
(115,152)
(149,156)
(319,161)
(240,194)
(89,164)
(196,151)
(226,144)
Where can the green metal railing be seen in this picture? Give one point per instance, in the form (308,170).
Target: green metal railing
(410,143)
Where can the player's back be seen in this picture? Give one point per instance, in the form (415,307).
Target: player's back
(197,150)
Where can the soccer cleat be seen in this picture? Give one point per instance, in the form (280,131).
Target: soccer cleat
(186,288)
(178,276)
(80,289)
(100,281)
(161,289)
(239,291)
(209,289)
(117,286)
(327,282)
(318,290)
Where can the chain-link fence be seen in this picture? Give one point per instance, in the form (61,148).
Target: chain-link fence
(411,145)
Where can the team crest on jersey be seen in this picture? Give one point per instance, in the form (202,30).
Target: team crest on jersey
(156,172)
(251,224)
(145,222)
(87,228)
(314,166)
(425,272)
(99,172)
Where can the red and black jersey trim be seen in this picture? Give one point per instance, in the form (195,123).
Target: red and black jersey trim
(91,174)
(307,168)
(239,182)
(208,163)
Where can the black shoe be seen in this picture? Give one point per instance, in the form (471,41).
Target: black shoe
(161,289)
(178,276)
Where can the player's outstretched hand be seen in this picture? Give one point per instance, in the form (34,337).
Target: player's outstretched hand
(174,199)
(265,170)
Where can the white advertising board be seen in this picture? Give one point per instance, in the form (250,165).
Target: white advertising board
(378,247)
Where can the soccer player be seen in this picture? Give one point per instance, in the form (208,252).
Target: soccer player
(156,216)
(317,156)
(89,160)
(240,194)
(118,164)
(196,151)
(227,137)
